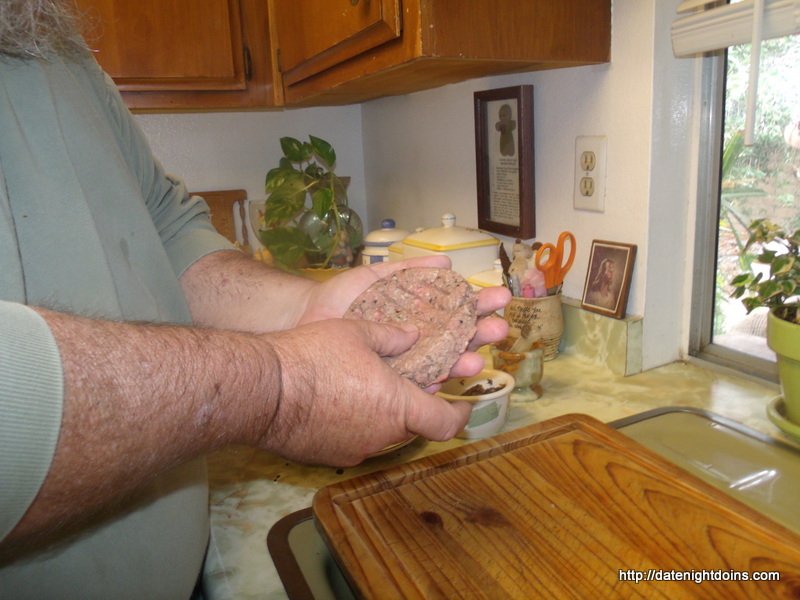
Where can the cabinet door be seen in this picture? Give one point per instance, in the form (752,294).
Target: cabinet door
(441,42)
(317,34)
(170,44)
(185,54)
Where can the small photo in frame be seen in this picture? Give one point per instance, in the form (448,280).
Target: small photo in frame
(608,278)
(504,160)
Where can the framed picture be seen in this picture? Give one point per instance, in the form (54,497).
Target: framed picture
(608,278)
(504,157)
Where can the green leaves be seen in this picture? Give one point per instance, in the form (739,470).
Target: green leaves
(287,197)
(286,244)
(305,171)
(782,264)
(276,176)
(763,231)
(322,202)
(298,152)
(777,289)
(295,150)
(324,151)
(732,151)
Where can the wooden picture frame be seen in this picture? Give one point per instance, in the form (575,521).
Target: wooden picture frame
(608,278)
(504,159)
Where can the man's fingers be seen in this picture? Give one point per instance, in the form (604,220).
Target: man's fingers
(435,418)
(467,365)
(490,329)
(382,269)
(492,299)
(387,339)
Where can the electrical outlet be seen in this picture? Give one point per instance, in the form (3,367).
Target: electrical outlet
(590,173)
(587,187)
(588,160)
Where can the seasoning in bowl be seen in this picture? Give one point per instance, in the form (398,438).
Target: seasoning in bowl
(488,392)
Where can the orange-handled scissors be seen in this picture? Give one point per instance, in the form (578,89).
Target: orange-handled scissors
(554,268)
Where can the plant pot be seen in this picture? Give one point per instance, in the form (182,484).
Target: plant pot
(320,274)
(322,233)
(784,339)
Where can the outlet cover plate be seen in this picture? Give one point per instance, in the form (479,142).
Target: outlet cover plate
(590,183)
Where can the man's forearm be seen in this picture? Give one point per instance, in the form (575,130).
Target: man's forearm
(229,290)
(139,400)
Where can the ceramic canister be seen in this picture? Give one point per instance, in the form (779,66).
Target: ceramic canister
(470,250)
(491,278)
(376,243)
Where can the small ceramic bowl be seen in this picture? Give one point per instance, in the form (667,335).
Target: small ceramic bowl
(489,409)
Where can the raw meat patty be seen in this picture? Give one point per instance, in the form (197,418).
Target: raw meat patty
(439,302)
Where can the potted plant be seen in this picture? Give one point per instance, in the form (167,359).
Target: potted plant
(778,291)
(306,221)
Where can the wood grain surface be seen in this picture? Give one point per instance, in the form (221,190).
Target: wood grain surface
(561,509)
(221,203)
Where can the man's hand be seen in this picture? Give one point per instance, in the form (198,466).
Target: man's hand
(329,412)
(331,299)
(227,290)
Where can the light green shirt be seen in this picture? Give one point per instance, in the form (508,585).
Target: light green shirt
(89,224)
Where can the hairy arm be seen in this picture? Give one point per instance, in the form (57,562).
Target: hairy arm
(141,399)
(138,400)
(229,290)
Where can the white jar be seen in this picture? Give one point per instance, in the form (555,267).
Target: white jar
(376,243)
(470,250)
(491,278)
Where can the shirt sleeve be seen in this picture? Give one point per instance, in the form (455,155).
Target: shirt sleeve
(31,402)
(182,221)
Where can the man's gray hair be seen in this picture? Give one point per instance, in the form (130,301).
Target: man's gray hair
(38,28)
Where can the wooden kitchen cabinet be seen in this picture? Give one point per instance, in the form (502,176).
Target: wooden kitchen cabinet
(347,51)
(185,54)
(228,54)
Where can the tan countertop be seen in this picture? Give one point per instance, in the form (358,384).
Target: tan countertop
(251,490)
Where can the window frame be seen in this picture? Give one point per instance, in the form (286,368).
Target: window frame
(711,124)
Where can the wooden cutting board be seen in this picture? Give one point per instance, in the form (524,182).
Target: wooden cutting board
(562,509)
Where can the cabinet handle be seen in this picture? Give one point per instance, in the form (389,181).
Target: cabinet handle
(248,64)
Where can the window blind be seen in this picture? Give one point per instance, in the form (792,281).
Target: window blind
(713,27)
(709,25)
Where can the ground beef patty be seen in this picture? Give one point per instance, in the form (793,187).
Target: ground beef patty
(439,302)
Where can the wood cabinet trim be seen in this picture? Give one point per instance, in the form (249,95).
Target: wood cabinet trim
(369,38)
(441,45)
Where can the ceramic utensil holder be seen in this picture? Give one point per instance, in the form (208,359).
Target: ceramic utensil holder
(543,315)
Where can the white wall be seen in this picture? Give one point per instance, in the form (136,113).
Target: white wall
(413,158)
(218,151)
(420,160)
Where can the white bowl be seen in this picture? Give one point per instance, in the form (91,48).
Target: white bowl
(489,411)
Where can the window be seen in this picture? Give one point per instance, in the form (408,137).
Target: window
(738,184)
